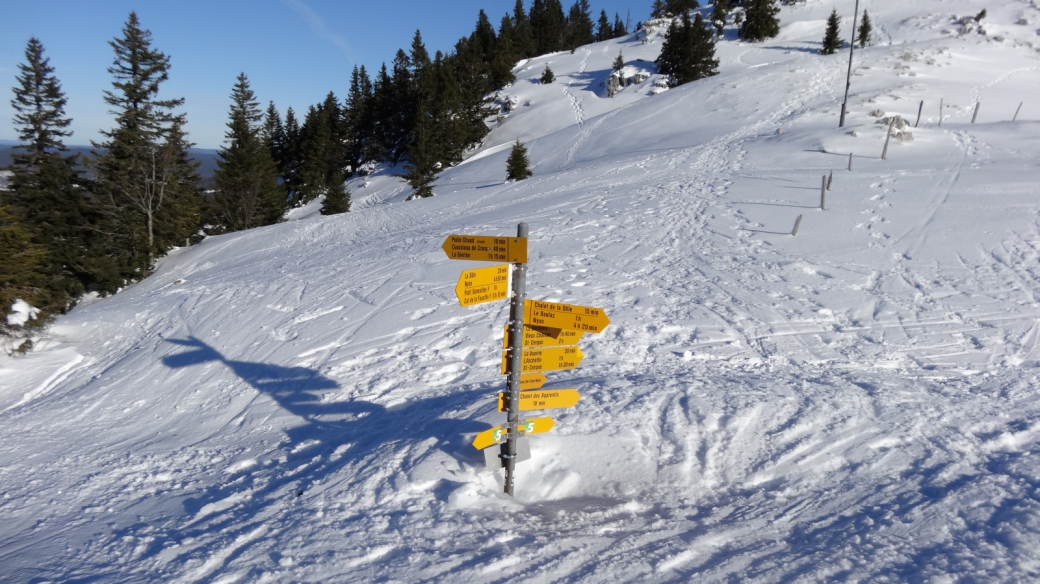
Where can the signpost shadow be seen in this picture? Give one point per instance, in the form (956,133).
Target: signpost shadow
(315,445)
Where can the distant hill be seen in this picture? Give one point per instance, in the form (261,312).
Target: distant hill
(207,158)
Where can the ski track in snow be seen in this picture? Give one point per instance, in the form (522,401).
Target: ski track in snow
(295,403)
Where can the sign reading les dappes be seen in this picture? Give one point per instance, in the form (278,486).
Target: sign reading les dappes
(486,248)
(587,319)
(546,399)
(483,285)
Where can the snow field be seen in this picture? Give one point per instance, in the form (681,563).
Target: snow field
(295,403)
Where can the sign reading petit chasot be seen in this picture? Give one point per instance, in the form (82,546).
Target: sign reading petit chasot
(486,248)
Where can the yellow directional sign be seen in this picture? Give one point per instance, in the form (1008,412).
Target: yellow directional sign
(565,316)
(543,400)
(486,248)
(540,336)
(549,359)
(498,433)
(532,381)
(483,285)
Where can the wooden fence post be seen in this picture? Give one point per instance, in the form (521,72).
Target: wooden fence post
(976,114)
(823,193)
(888,136)
(797,222)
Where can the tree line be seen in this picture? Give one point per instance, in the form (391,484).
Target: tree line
(71,225)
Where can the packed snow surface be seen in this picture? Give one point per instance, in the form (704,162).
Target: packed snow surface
(858,402)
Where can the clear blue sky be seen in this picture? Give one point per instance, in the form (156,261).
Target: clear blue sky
(293,51)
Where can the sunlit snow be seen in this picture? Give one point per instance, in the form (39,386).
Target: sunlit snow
(859,402)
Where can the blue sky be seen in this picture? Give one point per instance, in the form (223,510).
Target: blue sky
(293,51)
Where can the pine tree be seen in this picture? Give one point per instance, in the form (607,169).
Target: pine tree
(140,178)
(547,75)
(619,27)
(604,30)
(45,199)
(337,198)
(422,167)
(865,30)
(718,15)
(619,62)
(293,156)
(357,117)
(523,36)
(831,41)
(548,26)
(22,269)
(657,10)
(517,166)
(688,52)
(505,55)
(579,29)
(247,193)
(760,20)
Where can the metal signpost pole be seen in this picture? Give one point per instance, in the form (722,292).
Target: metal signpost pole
(516,343)
(848,78)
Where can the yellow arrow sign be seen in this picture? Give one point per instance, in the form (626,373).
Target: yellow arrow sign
(486,248)
(498,433)
(532,381)
(565,316)
(540,336)
(543,400)
(549,359)
(483,285)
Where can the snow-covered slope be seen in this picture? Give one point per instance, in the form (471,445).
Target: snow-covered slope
(859,402)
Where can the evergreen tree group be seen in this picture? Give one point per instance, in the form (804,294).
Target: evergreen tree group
(63,234)
(760,20)
(247,193)
(688,52)
(831,41)
(663,8)
(146,189)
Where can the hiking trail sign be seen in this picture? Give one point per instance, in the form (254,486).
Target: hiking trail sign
(539,336)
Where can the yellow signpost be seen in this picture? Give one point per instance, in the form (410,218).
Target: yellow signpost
(548,359)
(524,428)
(543,400)
(539,336)
(565,316)
(483,285)
(486,248)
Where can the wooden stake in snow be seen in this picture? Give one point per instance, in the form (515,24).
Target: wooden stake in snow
(888,136)
(797,222)
(940,112)
(919,108)
(976,114)
(1016,111)
(850,161)
(830,178)
(823,193)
